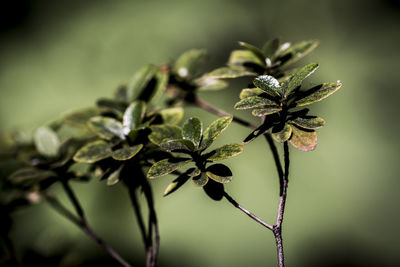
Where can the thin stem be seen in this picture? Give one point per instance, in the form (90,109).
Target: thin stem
(281,208)
(138,213)
(248,213)
(83,224)
(278,164)
(210,108)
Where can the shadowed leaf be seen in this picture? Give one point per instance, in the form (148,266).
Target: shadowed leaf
(133,116)
(166,166)
(140,80)
(161,133)
(255,50)
(215,129)
(126,153)
(200,180)
(214,190)
(309,122)
(219,173)
(106,128)
(270,48)
(226,151)
(160,87)
(268,84)
(47,142)
(283,135)
(318,93)
(93,152)
(259,112)
(26,174)
(187,64)
(172,115)
(296,80)
(303,140)
(254,102)
(206,82)
(80,117)
(247,92)
(192,131)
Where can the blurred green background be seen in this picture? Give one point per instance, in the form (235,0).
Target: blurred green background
(343,204)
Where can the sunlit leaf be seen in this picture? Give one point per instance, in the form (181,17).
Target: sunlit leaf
(230,72)
(47,142)
(250,92)
(113,178)
(206,82)
(80,117)
(255,50)
(176,184)
(268,84)
(188,63)
(259,112)
(192,130)
(296,80)
(166,166)
(270,48)
(215,129)
(226,151)
(133,116)
(303,140)
(318,93)
(161,133)
(139,81)
(309,122)
(244,57)
(93,152)
(178,145)
(107,128)
(127,152)
(200,180)
(297,51)
(283,134)
(172,115)
(254,102)
(219,173)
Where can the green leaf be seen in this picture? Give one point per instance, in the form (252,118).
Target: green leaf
(139,81)
(296,80)
(242,57)
(259,112)
(178,145)
(192,131)
(270,48)
(111,105)
(215,129)
(160,87)
(127,152)
(133,116)
(200,180)
(254,102)
(318,93)
(160,133)
(206,82)
(187,64)
(250,92)
(230,72)
(47,142)
(268,84)
(106,128)
(226,151)
(281,135)
(172,115)
(192,172)
(219,173)
(80,117)
(255,50)
(93,152)
(26,174)
(113,178)
(166,166)
(176,184)
(309,122)
(297,51)
(303,140)
(121,94)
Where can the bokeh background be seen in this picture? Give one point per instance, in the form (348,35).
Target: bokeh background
(343,204)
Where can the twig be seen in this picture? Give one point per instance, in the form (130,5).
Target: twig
(82,222)
(248,213)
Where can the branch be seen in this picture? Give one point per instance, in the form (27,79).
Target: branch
(82,223)
(248,213)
